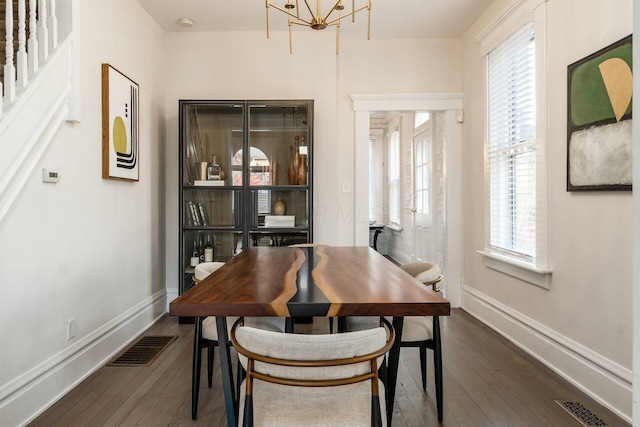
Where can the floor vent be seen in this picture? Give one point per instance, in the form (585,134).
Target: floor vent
(582,414)
(143,352)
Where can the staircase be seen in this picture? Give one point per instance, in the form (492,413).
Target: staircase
(3,28)
(35,102)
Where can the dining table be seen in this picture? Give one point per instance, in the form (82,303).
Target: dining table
(330,281)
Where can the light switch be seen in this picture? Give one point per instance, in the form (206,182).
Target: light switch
(346,187)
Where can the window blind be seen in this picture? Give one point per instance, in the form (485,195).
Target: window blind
(511,147)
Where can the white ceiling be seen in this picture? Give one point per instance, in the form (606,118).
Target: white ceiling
(389,18)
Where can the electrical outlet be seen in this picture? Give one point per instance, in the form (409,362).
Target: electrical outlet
(71,328)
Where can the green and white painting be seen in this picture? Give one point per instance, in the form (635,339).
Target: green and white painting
(600,89)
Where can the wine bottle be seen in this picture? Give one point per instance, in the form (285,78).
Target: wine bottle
(302,168)
(195,258)
(200,248)
(208,250)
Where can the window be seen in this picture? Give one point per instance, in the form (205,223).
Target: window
(515,162)
(394,178)
(511,145)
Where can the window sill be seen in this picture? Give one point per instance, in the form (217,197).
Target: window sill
(519,269)
(393,227)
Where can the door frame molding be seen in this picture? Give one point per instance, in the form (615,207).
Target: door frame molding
(451,105)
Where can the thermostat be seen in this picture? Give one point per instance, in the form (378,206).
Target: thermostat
(50,175)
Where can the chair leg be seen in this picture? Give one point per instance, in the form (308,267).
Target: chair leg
(210,355)
(195,370)
(240,375)
(423,364)
(437,364)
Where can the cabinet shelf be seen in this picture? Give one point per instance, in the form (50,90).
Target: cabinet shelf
(253,143)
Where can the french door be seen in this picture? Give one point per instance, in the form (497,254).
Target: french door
(423,236)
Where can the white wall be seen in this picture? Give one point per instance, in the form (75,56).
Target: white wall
(248,66)
(85,248)
(582,325)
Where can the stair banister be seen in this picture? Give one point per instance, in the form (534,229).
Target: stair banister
(33,38)
(21,59)
(43,43)
(9,68)
(53,25)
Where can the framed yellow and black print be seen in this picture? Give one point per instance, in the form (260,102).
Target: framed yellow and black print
(120,134)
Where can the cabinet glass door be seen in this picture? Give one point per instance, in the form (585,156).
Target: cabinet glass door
(210,129)
(279,171)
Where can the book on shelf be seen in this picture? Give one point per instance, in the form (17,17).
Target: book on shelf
(203,215)
(193,213)
(208,183)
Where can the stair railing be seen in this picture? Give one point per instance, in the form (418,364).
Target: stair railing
(31,54)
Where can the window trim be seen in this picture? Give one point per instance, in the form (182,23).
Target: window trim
(516,14)
(377,136)
(395,133)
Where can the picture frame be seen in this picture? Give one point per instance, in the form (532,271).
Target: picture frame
(599,118)
(120,126)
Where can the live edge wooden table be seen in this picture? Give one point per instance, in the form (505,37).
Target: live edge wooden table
(307,282)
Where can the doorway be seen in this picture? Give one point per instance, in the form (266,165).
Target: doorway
(450,107)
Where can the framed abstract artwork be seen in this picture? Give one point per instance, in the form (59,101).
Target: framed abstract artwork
(599,117)
(120,135)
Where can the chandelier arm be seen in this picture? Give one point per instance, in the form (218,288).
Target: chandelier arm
(302,24)
(369,20)
(337,38)
(308,23)
(309,8)
(290,39)
(348,14)
(332,9)
(267,9)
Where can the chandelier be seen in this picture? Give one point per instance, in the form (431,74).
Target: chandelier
(317,20)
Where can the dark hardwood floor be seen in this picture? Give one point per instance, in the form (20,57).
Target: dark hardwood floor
(487,382)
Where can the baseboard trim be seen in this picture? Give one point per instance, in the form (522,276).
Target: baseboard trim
(602,379)
(30,394)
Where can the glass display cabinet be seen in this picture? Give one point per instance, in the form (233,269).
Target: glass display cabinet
(246,170)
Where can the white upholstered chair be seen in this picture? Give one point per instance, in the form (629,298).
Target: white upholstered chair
(209,336)
(312,380)
(422,332)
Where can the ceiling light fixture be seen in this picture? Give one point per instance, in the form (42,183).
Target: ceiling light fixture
(317,21)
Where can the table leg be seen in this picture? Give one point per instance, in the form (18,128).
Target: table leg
(392,371)
(231,403)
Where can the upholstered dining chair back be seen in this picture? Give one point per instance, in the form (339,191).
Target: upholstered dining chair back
(425,272)
(312,380)
(204,269)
